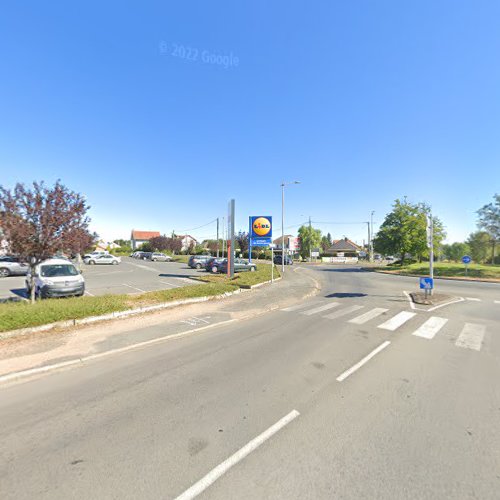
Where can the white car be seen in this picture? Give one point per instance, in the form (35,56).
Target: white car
(106,258)
(95,253)
(56,278)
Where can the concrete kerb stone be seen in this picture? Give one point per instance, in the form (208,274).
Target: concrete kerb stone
(450,278)
(124,314)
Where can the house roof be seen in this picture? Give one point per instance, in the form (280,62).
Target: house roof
(345,245)
(277,241)
(182,236)
(144,235)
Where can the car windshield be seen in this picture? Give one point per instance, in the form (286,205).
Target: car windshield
(57,270)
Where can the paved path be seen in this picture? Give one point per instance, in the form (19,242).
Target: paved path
(350,393)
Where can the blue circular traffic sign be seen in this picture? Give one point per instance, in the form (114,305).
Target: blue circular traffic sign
(466,259)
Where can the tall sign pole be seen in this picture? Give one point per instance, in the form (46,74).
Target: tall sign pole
(230,240)
(430,244)
(217,237)
(250,239)
(283,228)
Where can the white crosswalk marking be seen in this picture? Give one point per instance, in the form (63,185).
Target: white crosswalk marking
(300,306)
(471,336)
(343,312)
(322,308)
(396,321)
(430,327)
(367,316)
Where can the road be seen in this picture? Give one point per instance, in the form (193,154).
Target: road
(350,394)
(129,277)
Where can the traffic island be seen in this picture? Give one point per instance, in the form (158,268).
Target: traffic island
(435,299)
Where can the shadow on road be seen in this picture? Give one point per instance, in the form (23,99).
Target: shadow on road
(169,275)
(19,295)
(345,295)
(347,270)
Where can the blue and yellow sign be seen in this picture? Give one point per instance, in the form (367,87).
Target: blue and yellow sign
(261,227)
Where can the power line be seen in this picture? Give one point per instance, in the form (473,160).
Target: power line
(195,228)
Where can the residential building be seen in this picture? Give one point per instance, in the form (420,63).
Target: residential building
(139,237)
(187,241)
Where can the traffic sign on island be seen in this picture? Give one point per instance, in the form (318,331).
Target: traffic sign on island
(466,259)
(426,283)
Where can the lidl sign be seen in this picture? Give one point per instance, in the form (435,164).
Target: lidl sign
(261,227)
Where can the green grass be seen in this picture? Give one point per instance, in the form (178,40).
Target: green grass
(14,315)
(245,279)
(180,258)
(447,269)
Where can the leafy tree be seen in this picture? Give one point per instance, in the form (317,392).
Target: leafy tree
(478,244)
(404,231)
(123,243)
(309,238)
(160,243)
(455,251)
(325,243)
(489,221)
(146,247)
(329,238)
(242,241)
(41,221)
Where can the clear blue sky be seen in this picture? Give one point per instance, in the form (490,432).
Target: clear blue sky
(362,101)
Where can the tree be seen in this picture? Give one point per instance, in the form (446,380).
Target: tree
(455,251)
(478,244)
(309,238)
(146,247)
(242,241)
(160,243)
(404,231)
(42,221)
(325,243)
(489,221)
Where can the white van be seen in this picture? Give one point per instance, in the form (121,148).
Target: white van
(56,278)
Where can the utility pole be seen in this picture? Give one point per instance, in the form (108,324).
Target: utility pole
(310,240)
(430,243)
(217,237)
(223,235)
(371,236)
(368,225)
(282,228)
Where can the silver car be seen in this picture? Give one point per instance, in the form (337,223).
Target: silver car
(160,257)
(11,266)
(102,259)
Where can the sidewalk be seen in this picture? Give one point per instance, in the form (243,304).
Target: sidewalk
(44,349)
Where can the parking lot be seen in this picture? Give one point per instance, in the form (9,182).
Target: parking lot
(130,277)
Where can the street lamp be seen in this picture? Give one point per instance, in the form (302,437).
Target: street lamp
(283,184)
(371,236)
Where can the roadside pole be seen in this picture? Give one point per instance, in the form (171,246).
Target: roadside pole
(430,244)
(310,240)
(217,237)
(250,239)
(272,246)
(230,240)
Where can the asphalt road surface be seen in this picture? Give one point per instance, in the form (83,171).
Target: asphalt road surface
(352,394)
(130,276)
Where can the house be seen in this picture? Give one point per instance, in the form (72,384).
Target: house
(138,237)
(292,243)
(343,250)
(187,241)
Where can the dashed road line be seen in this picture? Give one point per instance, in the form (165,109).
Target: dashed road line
(432,326)
(319,309)
(471,336)
(343,312)
(363,318)
(365,360)
(171,284)
(396,321)
(222,468)
(474,299)
(134,288)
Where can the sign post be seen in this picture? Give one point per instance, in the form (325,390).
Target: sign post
(272,246)
(427,284)
(230,240)
(430,244)
(466,260)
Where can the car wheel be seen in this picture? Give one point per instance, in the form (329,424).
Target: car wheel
(214,269)
(4,272)
(198,266)
(252,269)
(115,262)
(91,262)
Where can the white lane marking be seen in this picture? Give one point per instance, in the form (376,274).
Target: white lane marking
(222,468)
(367,316)
(171,284)
(471,336)
(79,361)
(396,321)
(429,329)
(343,312)
(412,304)
(134,288)
(196,320)
(320,308)
(147,268)
(365,360)
(300,306)
(475,299)
(496,301)
(88,293)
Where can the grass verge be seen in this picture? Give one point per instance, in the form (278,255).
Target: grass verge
(14,315)
(446,269)
(245,279)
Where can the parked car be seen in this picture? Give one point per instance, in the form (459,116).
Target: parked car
(12,266)
(102,259)
(160,257)
(213,261)
(198,261)
(240,265)
(278,259)
(94,254)
(56,278)
(137,255)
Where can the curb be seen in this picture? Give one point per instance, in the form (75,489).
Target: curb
(124,314)
(450,278)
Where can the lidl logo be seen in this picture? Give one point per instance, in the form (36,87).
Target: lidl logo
(261,226)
